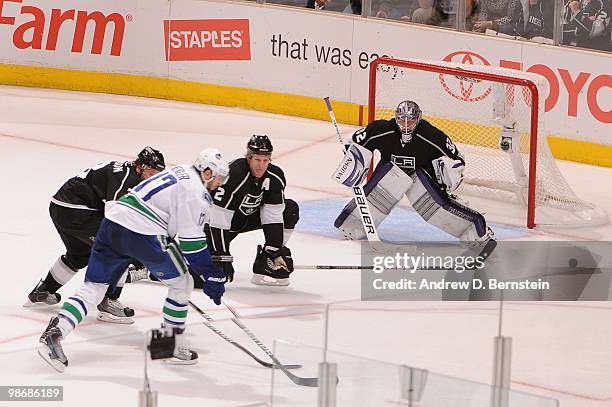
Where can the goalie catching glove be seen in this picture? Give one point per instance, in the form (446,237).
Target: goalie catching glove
(272,266)
(449,172)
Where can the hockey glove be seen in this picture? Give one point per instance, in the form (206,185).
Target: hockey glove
(214,286)
(224,261)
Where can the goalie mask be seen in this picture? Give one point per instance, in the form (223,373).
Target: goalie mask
(407,115)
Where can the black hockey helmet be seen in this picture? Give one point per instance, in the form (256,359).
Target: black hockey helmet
(151,158)
(259,144)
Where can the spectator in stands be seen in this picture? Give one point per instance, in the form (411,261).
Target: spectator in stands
(537,20)
(318,4)
(586,23)
(445,13)
(424,13)
(606,38)
(499,15)
(329,5)
(354,7)
(394,9)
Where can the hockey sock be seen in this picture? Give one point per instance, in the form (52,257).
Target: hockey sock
(287,235)
(59,274)
(115,294)
(51,284)
(72,313)
(175,314)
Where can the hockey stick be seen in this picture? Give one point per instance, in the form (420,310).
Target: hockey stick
(301,381)
(360,197)
(208,322)
(360,268)
(330,267)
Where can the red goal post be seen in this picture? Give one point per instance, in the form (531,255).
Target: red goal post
(478,107)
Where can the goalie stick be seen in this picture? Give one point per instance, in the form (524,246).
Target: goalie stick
(300,381)
(360,197)
(208,322)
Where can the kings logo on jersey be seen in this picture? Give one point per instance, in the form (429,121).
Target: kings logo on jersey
(402,161)
(250,203)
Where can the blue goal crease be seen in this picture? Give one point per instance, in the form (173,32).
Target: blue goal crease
(402,224)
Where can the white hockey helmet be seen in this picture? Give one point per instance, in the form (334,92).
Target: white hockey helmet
(212,159)
(407,115)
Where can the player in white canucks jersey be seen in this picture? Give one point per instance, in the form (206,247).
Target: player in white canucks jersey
(160,223)
(77,210)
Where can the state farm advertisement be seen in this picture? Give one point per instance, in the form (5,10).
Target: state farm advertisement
(203,40)
(92,35)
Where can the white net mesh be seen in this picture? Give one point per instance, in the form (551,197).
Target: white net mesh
(476,110)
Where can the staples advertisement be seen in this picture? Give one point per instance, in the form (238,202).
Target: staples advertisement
(205,40)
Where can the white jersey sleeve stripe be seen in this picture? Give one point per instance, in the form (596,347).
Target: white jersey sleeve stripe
(236,189)
(377,136)
(221,218)
(433,144)
(127,173)
(277,177)
(272,213)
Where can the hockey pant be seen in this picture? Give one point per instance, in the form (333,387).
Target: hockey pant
(113,251)
(243,224)
(387,187)
(77,228)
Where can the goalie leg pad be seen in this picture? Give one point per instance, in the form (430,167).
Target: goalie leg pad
(383,191)
(443,212)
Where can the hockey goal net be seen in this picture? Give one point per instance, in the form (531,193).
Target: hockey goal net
(496,116)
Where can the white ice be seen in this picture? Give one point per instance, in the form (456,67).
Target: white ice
(560,350)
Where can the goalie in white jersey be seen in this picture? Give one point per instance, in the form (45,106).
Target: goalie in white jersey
(160,222)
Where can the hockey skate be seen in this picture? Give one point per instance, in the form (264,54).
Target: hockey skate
(40,296)
(113,311)
(482,247)
(182,354)
(51,350)
(268,272)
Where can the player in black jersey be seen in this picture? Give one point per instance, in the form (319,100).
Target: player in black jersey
(253,197)
(77,209)
(418,160)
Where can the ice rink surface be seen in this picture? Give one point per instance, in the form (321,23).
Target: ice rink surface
(560,350)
